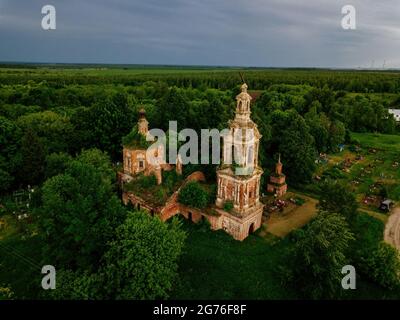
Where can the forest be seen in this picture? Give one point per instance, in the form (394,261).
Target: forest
(61,133)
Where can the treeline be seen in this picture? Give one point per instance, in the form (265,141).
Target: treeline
(257,79)
(298,121)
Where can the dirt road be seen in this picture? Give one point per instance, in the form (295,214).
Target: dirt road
(280,225)
(392,229)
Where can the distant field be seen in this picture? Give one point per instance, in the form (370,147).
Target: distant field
(379,141)
(195,76)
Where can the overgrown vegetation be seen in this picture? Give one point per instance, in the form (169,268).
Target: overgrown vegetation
(61,134)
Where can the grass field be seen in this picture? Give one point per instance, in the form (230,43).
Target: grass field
(386,142)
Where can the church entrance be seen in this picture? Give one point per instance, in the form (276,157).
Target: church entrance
(190,216)
(251,228)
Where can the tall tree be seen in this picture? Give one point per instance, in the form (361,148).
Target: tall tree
(314,265)
(142,261)
(104,124)
(33,159)
(78,215)
(10,155)
(335,197)
(173,106)
(52,128)
(291,137)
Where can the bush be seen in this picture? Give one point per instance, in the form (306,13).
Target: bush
(193,195)
(334,173)
(170,179)
(228,206)
(145,182)
(299,201)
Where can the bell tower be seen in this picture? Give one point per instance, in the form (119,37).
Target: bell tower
(238,178)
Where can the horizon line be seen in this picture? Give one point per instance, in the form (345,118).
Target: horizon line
(205,66)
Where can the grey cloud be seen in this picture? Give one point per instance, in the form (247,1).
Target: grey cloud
(210,32)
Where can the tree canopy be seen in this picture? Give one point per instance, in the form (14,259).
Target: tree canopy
(314,265)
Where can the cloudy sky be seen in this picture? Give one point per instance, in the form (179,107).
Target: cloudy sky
(275,33)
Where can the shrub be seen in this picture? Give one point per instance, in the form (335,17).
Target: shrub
(228,206)
(145,182)
(193,195)
(170,179)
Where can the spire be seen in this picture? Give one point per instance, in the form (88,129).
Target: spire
(143,124)
(278,168)
(243,104)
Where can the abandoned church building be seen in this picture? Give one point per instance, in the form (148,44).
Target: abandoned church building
(238,185)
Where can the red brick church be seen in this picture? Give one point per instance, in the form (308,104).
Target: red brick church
(240,189)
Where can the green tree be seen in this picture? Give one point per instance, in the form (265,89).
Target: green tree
(314,265)
(56,163)
(76,285)
(104,124)
(33,159)
(5,180)
(99,160)
(53,129)
(337,134)
(142,261)
(383,266)
(78,215)
(335,197)
(173,106)
(193,195)
(10,155)
(319,128)
(291,137)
